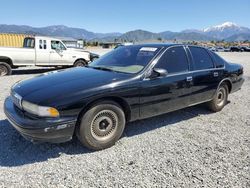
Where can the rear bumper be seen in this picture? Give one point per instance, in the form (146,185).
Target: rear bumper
(55,130)
(237,85)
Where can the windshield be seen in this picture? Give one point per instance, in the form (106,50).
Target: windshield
(126,59)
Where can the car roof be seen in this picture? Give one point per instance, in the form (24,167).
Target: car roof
(160,45)
(156,45)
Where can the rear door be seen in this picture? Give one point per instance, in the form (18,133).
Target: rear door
(164,94)
(42,52)
(205,75)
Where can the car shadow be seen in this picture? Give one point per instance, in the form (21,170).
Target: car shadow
(16,151)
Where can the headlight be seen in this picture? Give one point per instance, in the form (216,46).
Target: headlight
(42,111)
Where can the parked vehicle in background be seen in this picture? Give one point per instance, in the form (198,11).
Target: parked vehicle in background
(93,56)
(235,49)
(127,84)
(226,49)
(220,49)
(123,44)
(41,51)
(245,49)
(213,49)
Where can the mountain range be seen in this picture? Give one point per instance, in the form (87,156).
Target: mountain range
(227,31)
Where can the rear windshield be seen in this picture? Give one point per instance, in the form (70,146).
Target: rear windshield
(29,43)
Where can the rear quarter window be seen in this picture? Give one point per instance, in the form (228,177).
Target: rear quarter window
(201,58)
(219,61)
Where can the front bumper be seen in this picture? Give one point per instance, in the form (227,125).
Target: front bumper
(54,130)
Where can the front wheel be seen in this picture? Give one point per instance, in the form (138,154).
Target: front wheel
(5,69)
(220,98)
(80,63)
(101,126)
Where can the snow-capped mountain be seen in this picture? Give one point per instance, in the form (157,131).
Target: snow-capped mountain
(225,30)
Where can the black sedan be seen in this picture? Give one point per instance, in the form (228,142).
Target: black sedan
(235,49)
(127,84)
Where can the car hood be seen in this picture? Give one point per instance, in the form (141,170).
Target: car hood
(56,85)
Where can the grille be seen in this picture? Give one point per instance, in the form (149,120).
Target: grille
(17,99)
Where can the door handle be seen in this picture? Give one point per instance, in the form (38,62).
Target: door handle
(216,74)
(189,78)
(51,52)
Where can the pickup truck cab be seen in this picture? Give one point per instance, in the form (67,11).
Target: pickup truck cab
(41,51)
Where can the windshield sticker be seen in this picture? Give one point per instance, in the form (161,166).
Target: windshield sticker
(148,49)
(145,53)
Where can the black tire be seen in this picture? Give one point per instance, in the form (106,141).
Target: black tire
(80,63)
(220,98)
(101,126)
(5,69)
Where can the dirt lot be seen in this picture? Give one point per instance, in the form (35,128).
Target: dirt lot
(187,148)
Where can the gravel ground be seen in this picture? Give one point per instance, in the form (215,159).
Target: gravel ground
(187,148)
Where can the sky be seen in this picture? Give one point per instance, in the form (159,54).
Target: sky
(125,15)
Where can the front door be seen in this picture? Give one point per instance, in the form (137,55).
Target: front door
(58,55)
(164,94)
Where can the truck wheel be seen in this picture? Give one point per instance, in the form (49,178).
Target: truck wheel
(5,69)
(80,63)
(220,98)
(101,126)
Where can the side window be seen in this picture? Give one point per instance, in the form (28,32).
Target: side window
(201,58)
(220,62)
(40,44)
(54,45)
(174,60)
(44,44)
(62,47)
(57,45)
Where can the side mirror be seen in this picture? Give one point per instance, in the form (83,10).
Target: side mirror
(161,72)
(158,72)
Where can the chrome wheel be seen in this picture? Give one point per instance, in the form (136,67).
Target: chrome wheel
(3,70)
(221,96)
(104,125)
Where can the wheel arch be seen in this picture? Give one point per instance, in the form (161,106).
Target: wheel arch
(228,82)
(120,101)
(7,60)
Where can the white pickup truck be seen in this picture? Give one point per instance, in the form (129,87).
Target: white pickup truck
(41,51)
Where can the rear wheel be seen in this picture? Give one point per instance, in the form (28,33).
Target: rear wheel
(80,63)
(101,126)
(5,69)
(220,98)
